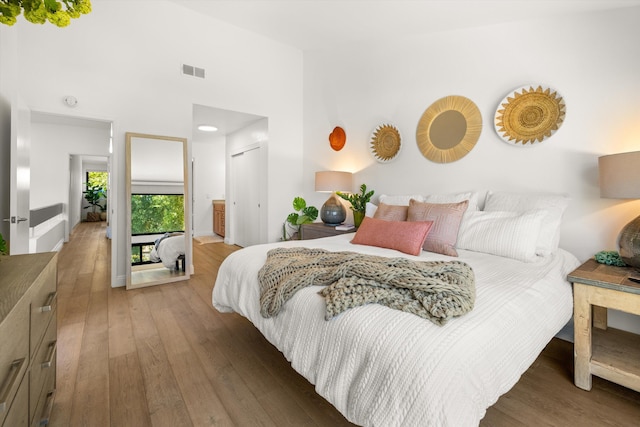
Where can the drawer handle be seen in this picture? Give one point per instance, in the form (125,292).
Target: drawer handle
(9,383)
(48,304)
(48,407)
(51,354)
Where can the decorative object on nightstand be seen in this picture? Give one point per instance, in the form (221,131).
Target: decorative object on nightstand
(333,211)
(358,203)
(620,179)
(303,215)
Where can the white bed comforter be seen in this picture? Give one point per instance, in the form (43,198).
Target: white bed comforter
(383,367)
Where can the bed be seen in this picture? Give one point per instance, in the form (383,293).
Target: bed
(383,367)
(169,250)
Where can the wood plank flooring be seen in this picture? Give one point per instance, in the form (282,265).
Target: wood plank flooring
(162,356)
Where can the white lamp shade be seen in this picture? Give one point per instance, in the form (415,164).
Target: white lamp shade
(330,181)
(620,175)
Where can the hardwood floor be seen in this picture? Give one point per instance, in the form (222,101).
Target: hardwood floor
(162,356)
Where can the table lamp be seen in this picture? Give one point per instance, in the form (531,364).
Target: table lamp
(333,211)
(620,179)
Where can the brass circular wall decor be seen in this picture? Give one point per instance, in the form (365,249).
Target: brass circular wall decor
(385,143)
(530,115)
(449,129)
(337,138)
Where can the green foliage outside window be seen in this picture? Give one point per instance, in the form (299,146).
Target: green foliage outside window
(97,179)
(157,213)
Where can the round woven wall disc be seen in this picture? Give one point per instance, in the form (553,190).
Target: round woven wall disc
(529,115)
(385,143)
(337,138)
(449,129)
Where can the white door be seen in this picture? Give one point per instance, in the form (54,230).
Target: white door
(20,179)
(245,197)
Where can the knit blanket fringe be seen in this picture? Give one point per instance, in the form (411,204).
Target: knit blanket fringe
(433,290)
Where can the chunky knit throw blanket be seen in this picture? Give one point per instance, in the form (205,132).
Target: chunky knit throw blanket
(434,290)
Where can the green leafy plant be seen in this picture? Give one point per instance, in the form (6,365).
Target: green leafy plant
(303,215)
(4,249)
(93,194)
(358,201)
(41,11)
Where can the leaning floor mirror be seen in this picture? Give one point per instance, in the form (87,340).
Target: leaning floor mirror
(158,231)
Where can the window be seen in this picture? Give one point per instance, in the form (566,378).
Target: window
(157,213)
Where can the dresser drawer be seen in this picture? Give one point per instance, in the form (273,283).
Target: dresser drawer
(19,412)
(42,410)
(14,354)
(43,367)
(43,304)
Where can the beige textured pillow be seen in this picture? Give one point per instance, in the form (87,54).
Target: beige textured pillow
(446,219)
(391,212)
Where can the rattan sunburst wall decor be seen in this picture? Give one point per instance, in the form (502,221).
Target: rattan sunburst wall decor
(385,143)
(449,129)
(529,115)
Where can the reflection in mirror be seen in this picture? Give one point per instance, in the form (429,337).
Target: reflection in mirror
(448,129)
(158,229)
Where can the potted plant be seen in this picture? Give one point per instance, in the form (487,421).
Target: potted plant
(303,215)
(4,249)
(103,211)
(93,194)
(358,203)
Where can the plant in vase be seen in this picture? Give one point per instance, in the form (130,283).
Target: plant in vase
(93,194)
(303,215)
(358,203)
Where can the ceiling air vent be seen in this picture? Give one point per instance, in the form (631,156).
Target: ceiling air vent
(193,71)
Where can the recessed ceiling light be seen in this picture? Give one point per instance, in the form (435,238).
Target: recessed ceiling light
(207,128)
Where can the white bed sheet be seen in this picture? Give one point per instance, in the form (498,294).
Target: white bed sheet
(383,367)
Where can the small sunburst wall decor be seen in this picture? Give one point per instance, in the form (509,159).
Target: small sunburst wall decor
(385,143)
(529,115)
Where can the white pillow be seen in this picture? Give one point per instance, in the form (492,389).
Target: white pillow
(471,196)
(399,200)
(508,234)
(370,209)
(555,205)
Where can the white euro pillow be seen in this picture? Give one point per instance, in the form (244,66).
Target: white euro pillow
(508,234)
(402,200)
(471,196)
(555,205)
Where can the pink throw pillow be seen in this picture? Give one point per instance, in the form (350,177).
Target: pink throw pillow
(407,237)
(446,219)
(391,212)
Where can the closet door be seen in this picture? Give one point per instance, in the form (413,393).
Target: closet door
(245,221)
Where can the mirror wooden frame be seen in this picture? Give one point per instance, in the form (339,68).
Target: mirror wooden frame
(432,150)
(162,274)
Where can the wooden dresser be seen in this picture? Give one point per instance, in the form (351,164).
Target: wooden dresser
(218,217)
(28,330)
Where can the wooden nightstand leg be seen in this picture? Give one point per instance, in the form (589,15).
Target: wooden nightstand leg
(582,336)
(600,317)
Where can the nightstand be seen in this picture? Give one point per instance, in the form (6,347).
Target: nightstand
(316,230)
(606,352)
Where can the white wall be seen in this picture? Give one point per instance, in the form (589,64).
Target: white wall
(208,181)
(257,134)
(591,59)
(123,63)
(51,146)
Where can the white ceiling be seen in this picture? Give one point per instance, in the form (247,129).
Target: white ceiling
(323,24)
(226,121)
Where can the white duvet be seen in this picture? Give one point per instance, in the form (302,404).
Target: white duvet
(383,367)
